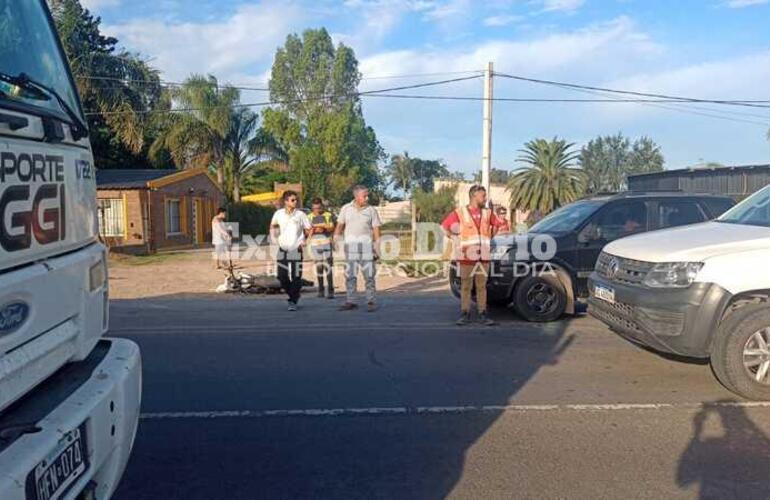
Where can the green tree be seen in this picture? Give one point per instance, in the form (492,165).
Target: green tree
(608,160)
(645,157)
(400,172)
(246,148)
(434,206)
(198,135)
(549,179)
(116,84)
(406,173)
(319,120)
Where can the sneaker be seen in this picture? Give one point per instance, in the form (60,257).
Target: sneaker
(371,307)
(330,295)
(321,294)
(292,306)
(486,320)
(464,319)
(348,306)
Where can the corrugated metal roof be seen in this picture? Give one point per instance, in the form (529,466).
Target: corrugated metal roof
(128,178)
(679,171)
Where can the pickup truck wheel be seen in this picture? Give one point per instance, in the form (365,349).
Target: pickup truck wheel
(540,298)
(741,355)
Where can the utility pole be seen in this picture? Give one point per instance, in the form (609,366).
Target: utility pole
(486,144)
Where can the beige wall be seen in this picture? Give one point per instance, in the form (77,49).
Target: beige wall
(498,194)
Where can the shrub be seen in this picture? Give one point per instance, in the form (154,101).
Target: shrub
(433,207)
(253,219)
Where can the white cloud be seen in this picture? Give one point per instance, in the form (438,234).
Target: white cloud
(94,5)
(602,48)
(567,5)
(739,4)
(740,78)
(501,20)
(250,36)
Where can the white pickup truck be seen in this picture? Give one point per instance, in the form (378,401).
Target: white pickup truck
(69,399)
(697,291)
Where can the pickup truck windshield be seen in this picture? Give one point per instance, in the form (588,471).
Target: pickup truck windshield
(567,218)
(753,211)
(25,30)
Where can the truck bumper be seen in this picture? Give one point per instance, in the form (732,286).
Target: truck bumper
(100,396)
(676,321)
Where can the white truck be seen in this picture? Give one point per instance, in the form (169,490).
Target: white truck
(69,399)
(697,291)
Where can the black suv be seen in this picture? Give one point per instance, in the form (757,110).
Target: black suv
(580,231)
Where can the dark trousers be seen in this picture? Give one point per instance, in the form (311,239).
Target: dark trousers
(324,268)
(290,276)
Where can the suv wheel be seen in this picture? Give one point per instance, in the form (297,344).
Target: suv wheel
(540,298)
(741,354)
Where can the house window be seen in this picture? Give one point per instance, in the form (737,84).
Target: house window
(173,217)
(112,217)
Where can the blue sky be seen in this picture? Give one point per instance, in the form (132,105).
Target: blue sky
(717,49)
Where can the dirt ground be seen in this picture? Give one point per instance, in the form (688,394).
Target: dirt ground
(182,274)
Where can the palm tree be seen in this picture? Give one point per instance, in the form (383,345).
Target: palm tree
(246,147)
(549,180)
(401,172)
(196,134)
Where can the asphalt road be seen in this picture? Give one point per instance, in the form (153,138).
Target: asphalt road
(243,400)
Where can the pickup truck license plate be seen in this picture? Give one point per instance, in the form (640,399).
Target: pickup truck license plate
(605,293)
(54,476)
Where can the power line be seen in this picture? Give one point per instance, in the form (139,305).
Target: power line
(748,103)
(710,112)
(294,101)
(264,89)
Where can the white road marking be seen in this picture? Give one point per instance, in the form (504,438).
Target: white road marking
(437,410)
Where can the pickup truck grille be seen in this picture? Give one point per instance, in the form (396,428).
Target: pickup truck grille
(622,270)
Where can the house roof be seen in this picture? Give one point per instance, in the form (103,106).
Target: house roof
(129,178)
(700,168)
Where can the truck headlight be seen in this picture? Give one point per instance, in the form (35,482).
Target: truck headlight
(673,274)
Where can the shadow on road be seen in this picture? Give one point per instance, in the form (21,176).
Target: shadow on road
(408,355)
(728,456)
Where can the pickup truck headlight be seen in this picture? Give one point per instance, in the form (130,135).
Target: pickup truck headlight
(673,274)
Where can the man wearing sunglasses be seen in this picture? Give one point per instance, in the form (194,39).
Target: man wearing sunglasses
(288,229)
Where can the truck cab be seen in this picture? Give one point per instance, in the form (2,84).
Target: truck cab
(69,399)
(699,291)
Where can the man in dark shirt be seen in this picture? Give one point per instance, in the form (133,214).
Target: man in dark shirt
(322,222)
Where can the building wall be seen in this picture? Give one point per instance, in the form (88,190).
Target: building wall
(186,191)
(737,182)
(498,194)
(134,238)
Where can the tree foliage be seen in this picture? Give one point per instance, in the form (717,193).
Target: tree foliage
(113,82)
(549,179)
(433,206)
(608,160)
(318,120)
(406,173)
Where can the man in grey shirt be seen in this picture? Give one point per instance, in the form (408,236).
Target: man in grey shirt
(359,224)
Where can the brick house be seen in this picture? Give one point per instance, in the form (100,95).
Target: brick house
(143,211)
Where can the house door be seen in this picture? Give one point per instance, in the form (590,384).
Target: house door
(197,220)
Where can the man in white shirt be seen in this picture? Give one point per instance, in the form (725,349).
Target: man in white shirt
(221,238)
(288,229)
(359,223)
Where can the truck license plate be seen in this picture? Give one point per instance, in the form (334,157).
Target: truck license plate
(605,293)
(54,476)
